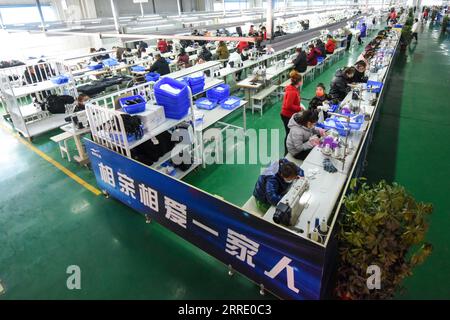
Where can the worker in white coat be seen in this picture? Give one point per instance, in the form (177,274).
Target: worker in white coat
(415,28)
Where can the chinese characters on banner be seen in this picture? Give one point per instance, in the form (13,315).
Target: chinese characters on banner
(238,245)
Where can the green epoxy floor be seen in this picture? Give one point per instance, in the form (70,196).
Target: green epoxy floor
(49,222)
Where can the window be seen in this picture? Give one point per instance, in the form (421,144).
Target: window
(16,14)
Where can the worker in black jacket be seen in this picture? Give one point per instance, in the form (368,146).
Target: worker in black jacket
(205,54)
(340,84)
(300,62)
(360,70)
(160,66)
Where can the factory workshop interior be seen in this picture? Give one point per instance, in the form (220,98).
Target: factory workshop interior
(224,150)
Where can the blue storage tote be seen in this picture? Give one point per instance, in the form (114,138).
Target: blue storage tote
(333,107)
(205,103)
(330,124)
(218,93)
(230,103)
(152,76)
(196,79)
(110,62)
(60,79)
(133,108)
(138,68)
(95,66)
(173,95)
(374,86)
(355,123)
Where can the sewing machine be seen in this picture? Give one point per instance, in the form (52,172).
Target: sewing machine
(288,210)
(259,74)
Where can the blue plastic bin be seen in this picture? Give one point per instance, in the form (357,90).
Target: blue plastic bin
(176,105)
(196,80)
(95,66)
(60,79)
(205,103)
(354,124)
(329,124)
(134,108)
(230,103)
(333,107)
(111,62)
(374,86)
(138,68)
(218,93)
(152,76)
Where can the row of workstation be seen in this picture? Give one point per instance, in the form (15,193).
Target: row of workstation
(325,189)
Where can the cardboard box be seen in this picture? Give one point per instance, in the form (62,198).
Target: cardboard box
(152,117)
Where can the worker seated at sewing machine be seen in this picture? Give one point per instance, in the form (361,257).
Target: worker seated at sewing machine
(274,182)
(303,136)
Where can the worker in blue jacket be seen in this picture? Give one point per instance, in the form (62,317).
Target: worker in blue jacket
(274,182)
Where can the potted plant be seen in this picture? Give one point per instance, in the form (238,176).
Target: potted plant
(444,23)
(380,225)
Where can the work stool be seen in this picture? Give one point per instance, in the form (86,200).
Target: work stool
(309,73)
(320,64)
(61,140)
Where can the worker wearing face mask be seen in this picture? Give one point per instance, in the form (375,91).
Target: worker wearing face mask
(320,97)
(274,182)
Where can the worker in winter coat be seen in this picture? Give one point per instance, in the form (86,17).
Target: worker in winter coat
(339,85)
(330,46)
(222,51)
(291,101)
(300,62)
(303,136)
(274,182)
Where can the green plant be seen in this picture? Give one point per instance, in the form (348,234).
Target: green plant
(444,23)
(380,225)
(406,35)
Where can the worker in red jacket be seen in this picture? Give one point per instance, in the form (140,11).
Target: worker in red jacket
(311,58)
(242,45)
(291,101)
(162,45)
(330,45)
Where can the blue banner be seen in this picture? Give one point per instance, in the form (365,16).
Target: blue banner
(289,266)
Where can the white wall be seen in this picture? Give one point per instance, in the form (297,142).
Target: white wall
(22,45)
(127,7)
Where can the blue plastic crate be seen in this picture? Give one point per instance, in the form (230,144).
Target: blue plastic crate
(176,105)
(197,88)
(60,79)
(134,108)
(205,103)
(330,124)
(152,76)
(333,107)
(95,66)
(196,80)
(138,68)
(355,123)
(374,86)
(218,93)
(111,62)
(230,103)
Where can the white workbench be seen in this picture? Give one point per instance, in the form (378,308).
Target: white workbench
(76,133)
(325,188)
(320,199)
